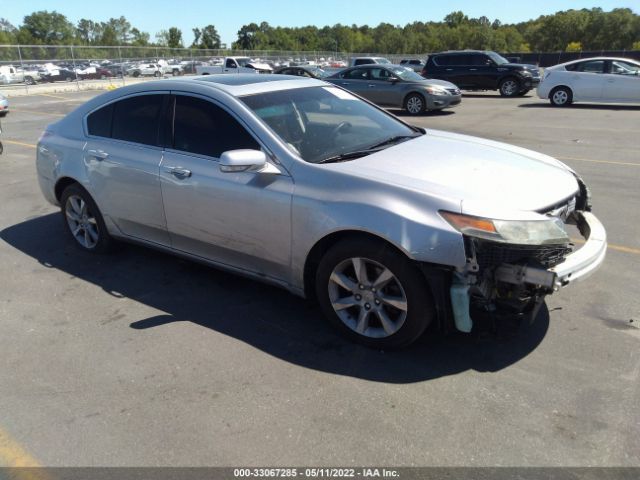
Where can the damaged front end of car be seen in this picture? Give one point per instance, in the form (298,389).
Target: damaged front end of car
(512,265)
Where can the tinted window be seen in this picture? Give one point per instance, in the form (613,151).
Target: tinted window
(624,68)
(379,74)
(442,60)
(363,61)
(460,60)
(479,60)
(99,122)
(230,64)
(203,128)
(356,74)
(594,66)
(136,119)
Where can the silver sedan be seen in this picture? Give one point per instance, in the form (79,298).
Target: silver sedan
(301,184)
(4,106)
(395,86)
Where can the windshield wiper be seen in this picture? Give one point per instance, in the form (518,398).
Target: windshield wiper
(349,155)
(372,149)
(396,139)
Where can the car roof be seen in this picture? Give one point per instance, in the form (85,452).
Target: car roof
(587,59)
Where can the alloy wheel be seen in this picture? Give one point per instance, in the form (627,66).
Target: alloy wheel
(367,297)
(560,97)
(81,221)
(414,105)
(509,88)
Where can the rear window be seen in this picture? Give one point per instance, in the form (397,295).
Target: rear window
(99,122)
(136,119)
(441,60)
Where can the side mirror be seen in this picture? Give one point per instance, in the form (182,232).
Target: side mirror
(393,80)
(245,160)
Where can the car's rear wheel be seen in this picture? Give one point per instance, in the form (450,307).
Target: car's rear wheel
(373,294)
(156,74)
(84,221)
(509,87)
(561,97)
(1,148)
(415,104)
(29,81)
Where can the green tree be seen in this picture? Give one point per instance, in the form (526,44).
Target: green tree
(48,27)
(207,38)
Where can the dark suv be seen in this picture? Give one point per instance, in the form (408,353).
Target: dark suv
(482,70)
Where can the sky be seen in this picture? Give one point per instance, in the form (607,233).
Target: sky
(229,15)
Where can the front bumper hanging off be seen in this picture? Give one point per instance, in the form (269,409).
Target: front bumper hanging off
(576,266)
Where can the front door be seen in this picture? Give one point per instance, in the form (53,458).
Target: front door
(622,84)
(240,219)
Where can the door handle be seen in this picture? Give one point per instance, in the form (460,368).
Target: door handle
(178,172)
(473,69)
(371,86)
(345,83)
(449,69)
(98,154)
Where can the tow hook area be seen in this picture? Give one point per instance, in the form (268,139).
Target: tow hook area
(522,274)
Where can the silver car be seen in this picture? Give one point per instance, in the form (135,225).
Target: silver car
(301,184)
(395,86)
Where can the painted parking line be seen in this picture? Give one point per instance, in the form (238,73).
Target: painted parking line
(35,112)
(22,144)
(609,162)
(12,454)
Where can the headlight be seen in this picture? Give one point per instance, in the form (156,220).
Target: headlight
(436,91)
(526,73)
(519,232)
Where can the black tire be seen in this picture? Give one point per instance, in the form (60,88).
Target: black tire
(104,242)
(156,74)
(1,148)
(509,87)
(408,284)
(175,72)
(561,97)
(29,81)
(417,100)
(136,73)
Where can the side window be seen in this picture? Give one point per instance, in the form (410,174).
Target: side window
(379,74)
(356,74)
(99,122)
(204,128)
(442,60)
(460,60)
(136,119)
(230,63)
(479,60)
(624,68)
(594,66)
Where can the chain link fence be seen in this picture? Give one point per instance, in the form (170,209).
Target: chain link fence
(20,64)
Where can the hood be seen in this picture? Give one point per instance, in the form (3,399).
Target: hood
(485,177)
(520,65)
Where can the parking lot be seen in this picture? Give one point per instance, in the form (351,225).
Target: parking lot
(143,359)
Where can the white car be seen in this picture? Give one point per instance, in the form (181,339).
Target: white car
(600,79)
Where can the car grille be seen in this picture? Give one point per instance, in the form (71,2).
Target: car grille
(453,91)
(492,254)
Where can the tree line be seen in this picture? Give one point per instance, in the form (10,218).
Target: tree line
(570,30)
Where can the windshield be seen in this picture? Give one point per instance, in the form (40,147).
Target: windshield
(407,74)
(319,123)
(498,59)
(382,61)
(318,72)
(242,62)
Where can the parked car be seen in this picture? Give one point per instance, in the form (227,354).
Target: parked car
(413,63)
(98,73)
(303,185)
(11,74)
(311,72)
(4,106)
(395,86)
(482,70)
(369,60)
(234,65)
(58,75)
(145,70)
(601,79)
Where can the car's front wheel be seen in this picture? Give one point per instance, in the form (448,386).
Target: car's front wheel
(509,87)
(84,221)
(415,104)
(561,97)
(373,294)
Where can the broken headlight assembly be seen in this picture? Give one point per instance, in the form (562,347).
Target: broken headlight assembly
(546,231)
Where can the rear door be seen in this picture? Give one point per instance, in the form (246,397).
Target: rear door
(380,88)
(458,70)
(122,156)
(355,80)
(587,79)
